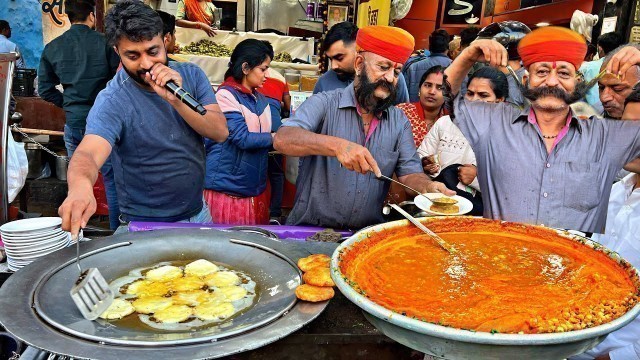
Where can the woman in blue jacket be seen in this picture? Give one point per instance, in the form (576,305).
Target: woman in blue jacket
(236,174)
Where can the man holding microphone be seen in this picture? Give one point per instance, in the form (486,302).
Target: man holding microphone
(156,139)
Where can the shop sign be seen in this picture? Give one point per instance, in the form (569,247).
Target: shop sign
(461,12)
(54,20)
(373,12)
(609,24)
(634,36)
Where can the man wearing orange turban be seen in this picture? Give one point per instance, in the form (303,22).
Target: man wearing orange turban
(358,129)
(541,164)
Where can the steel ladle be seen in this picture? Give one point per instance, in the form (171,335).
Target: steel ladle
(421,226)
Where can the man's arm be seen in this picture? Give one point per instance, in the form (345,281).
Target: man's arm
(80,203)
(294,141)
(483,50)
(424,184)
(296,137)
(47,81)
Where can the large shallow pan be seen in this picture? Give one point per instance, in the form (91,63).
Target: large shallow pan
(33,308)
(450,343)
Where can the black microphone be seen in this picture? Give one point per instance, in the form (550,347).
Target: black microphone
(185,97)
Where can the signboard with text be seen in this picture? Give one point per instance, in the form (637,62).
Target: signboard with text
(54,20)
(373,12)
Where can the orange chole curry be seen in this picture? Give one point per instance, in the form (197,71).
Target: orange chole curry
(505,277)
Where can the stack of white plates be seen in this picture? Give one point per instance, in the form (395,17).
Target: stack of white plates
(27,240)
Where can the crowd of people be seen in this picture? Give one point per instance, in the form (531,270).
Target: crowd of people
(518,122)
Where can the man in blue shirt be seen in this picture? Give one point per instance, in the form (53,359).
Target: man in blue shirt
(155,139)
(438,46)
(7,46)
(340,47)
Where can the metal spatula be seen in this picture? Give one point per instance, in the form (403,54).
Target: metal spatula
(92,293)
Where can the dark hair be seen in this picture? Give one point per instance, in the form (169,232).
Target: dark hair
(497,79)
(133,20)
(610,41)
(634,97)
(168,22)
(344,31)
(432,70)
(439,41)
(4,25)
(251,51)
(467,35)
(79,10)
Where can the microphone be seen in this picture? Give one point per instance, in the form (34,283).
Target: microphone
(185,97)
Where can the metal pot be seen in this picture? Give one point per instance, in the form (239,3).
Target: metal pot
(451,343)
(34,156)
(62,163)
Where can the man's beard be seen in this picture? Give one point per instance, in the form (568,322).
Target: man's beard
(138,76)
(365,93)
(533,94)
(343,75)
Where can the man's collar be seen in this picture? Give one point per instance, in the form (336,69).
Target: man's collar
(80,26)
(2,36)
(524,116)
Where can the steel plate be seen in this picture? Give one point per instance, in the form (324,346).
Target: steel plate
(451,343)
(19,313)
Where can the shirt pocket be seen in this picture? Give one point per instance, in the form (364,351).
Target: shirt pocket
(386,159)
(582,190)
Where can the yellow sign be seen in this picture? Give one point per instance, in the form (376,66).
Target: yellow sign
(373,12)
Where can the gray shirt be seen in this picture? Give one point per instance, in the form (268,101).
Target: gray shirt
(568,188)
(330,81)
(332,196)
(417,69)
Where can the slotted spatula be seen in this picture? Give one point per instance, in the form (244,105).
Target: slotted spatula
(92,293)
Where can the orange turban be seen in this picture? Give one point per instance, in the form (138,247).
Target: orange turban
(552,43)
(389,42)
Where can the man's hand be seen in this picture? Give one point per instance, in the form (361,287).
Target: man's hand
(603,357)
(76,210)
(627,57)
(466,173)
(487,51)
(357,158)
(438,187)
(429,167)
(158,77)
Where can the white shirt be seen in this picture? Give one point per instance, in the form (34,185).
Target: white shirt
(446,139)
(622,235)
(7,46)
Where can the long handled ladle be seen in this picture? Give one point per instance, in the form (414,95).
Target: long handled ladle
(426,230)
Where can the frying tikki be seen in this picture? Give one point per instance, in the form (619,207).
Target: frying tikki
(189,296)
(314,293)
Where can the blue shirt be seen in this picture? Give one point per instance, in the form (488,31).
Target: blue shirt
(332,196)
(417,69)
(158,159)
(330,81)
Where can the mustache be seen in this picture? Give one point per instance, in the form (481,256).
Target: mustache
(365,93)
(580,91)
